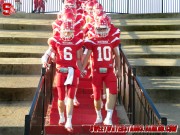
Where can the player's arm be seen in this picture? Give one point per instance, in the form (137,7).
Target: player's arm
(117,61)
(79,63)
(85,62)
(47,56)
(50,52)
(86,59)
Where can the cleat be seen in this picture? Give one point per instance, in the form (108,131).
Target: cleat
(98,121)
(68,127)
(107,121)
(61,121)
(92,96)
(75,102)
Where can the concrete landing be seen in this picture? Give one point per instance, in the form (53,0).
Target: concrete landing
(18,87)
(12,115)
(169,110)
(161,82)
(135,51)
(22,51)
(154,62)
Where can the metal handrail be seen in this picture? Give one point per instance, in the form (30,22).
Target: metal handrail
(34,121)
(135,98)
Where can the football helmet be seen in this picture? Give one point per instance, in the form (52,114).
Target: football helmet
(97,8)
(67,31)
(70,3)
(68,17)
(89,7)
(101,27)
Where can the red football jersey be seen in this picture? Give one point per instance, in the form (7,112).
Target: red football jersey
(102,50)
(66,51)
(114,31)
(79,22)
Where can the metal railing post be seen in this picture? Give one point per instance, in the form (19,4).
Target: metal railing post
(164,121)
(43,72)
(133,96)
(162,5)
(128,6)
(27,125)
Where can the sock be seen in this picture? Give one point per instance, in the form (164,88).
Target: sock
(109,114)
(62,115)
(98,113)
(69,118)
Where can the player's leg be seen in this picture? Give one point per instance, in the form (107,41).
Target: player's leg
(43,6)
(97,86)
(61,105)
(60,78)
(111,84)
(69,107)
(75,101)
(35,6)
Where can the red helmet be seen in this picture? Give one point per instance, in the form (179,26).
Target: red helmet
(98,6)
(108,19)
(67,31)
(67,10)
(68,17)
(101,27)
(83,5)
(70,3)
(98,14)
(89,7)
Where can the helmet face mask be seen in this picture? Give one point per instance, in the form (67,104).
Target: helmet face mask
(102,32)
(70,4)
(67,31)
(101,28)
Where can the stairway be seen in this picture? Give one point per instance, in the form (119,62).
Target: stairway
(83,116)
(152,45)
(23,40)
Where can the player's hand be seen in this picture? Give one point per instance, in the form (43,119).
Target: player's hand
(118,74)
(83,73)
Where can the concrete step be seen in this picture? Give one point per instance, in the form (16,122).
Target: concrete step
(31,16)
(140,16)
(18,87)
(150,37)
(20,66)
(154,24)
(162,89)
(151,51)
(123,24)
(113,16)
(156,66)
(12,115)
(25,24)
(24,37)
(22,51)
(136,37)
(171,111)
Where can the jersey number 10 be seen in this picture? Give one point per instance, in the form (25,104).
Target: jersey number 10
(104,53)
